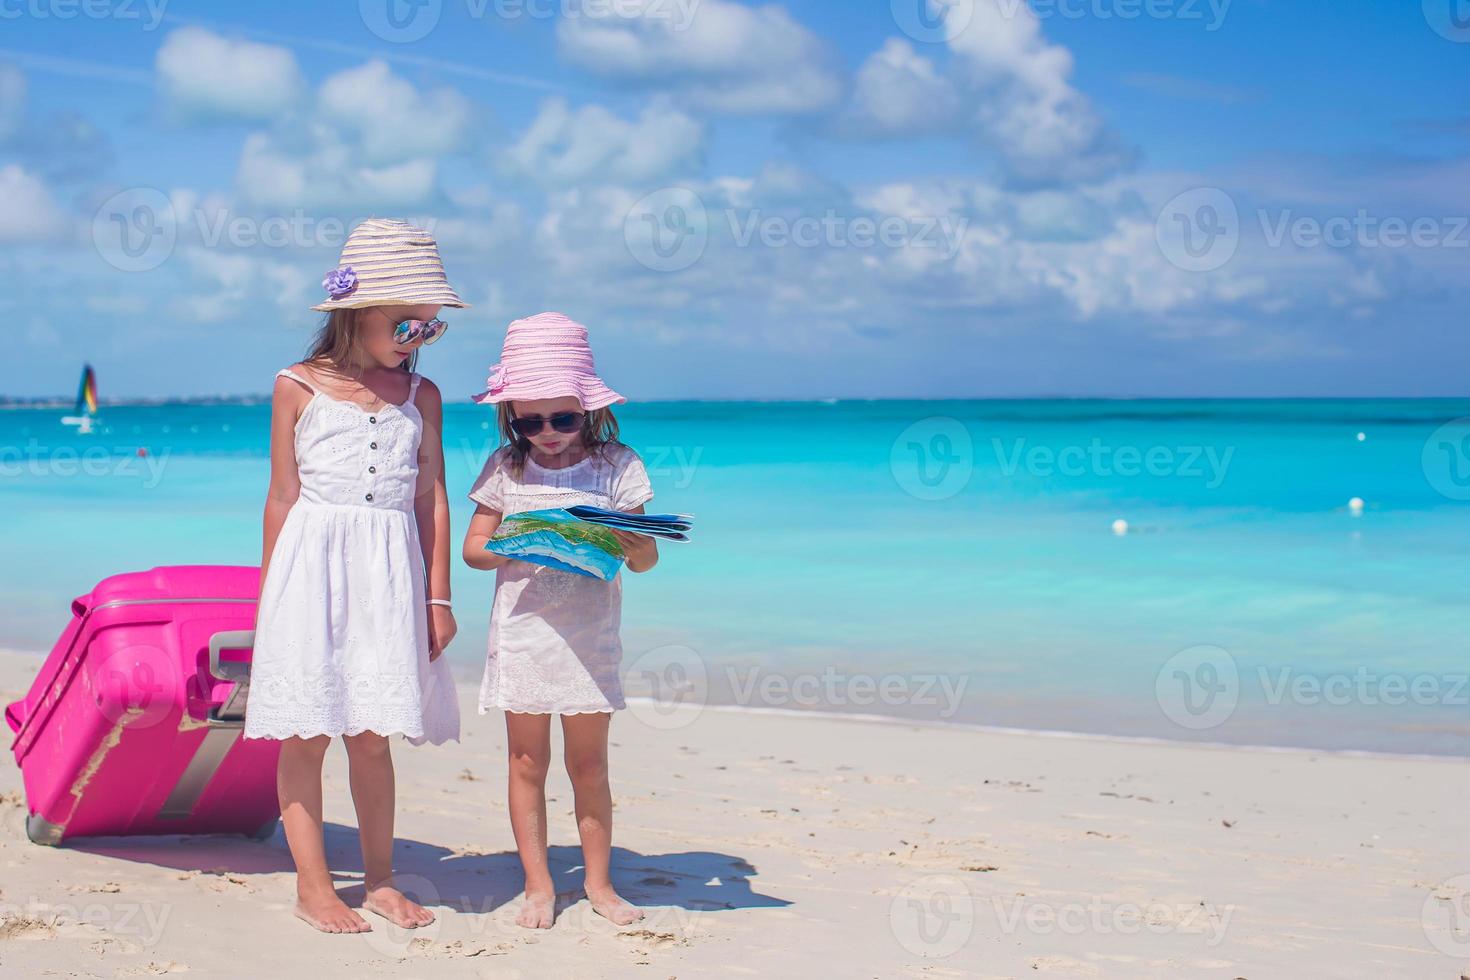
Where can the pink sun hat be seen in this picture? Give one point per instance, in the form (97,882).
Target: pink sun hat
(547,356)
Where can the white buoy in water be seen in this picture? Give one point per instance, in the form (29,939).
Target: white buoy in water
(1120,527)
(1362,436)
(1356,506)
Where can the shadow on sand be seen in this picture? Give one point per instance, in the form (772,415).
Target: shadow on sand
(700,881)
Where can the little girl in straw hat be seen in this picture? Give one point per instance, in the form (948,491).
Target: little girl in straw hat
(554,646)
(354,610)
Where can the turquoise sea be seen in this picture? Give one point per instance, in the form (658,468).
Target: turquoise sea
(947,561)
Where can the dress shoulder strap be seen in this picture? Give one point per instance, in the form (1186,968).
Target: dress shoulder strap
(288,373)
(413,385)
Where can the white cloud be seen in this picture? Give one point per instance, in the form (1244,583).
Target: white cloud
(721,56)
(204,77)
(1028,108)
(228,282)
(501,226)
(897,93)
(28,213)
(372,142)
(59,146)
(326,172)
(1007,87)
(391,120)
(565,146)
(975,253)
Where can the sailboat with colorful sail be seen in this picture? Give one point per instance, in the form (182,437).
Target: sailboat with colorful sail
(86,410)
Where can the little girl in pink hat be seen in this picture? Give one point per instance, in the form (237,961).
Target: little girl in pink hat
(554,647)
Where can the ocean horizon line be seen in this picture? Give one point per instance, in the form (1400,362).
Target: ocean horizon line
(67,402)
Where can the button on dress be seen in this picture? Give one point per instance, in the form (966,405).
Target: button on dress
(342,636)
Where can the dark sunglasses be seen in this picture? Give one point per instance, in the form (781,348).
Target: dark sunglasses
(529,425)
(426,330)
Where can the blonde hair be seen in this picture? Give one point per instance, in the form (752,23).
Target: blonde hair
(338,344)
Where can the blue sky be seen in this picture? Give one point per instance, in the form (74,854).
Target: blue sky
(1076,197)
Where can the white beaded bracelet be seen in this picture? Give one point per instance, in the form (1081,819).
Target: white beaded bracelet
(440,602)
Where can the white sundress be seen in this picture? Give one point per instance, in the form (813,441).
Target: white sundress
(342,636)
(554,646)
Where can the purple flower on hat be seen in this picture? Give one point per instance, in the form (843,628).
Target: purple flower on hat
(498,379)
(340,282)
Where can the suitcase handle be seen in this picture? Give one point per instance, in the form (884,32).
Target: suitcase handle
(232,712)
(230,670)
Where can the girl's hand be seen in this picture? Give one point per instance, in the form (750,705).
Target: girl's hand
(640,549)
(442,628)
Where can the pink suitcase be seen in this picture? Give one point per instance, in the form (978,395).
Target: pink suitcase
(133,724)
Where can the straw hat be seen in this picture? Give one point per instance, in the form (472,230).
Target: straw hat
(547,356)
(386,262)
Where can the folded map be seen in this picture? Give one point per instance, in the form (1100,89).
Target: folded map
(580,539)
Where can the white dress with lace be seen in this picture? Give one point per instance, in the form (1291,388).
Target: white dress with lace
(342,636)
(554,645)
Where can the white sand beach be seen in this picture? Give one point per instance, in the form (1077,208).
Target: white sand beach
(813,846)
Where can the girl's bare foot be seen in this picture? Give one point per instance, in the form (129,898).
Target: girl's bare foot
(396,907)
(538,909)
(613,907)
(325,911)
